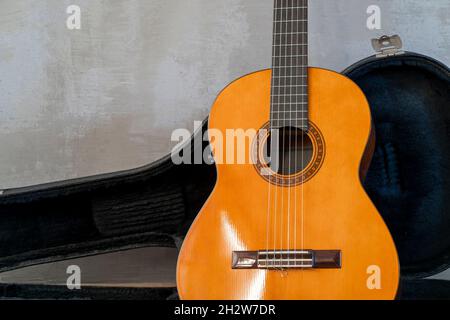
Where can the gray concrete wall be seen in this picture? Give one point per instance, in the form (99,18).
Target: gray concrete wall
(107,97)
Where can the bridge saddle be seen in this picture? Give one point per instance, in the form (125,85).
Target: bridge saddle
(287,259)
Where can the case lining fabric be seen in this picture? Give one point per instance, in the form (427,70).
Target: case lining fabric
(155,205)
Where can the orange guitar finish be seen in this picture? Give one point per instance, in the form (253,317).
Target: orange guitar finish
(333,210)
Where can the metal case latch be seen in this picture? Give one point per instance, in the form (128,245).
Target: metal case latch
(388,46)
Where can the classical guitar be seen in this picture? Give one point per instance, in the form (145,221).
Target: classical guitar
(295,221)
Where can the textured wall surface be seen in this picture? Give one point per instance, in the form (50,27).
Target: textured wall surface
(107,97)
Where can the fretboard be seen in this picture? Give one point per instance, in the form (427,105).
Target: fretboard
(289,94)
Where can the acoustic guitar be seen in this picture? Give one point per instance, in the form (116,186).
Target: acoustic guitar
(294,222)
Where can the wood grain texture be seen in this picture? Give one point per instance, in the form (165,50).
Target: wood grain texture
(335,212)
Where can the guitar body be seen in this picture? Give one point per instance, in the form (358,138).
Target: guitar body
(331,209)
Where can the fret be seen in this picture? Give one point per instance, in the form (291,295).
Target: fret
(284,106)
(290,33)
(286,67)
(284,40)
(290,26)
(290,119)
(290,8)
(293,97)
(291,57)
(289,108)
(289,48)
(291,63)
(297,55)
(289,83)
(291,67)
(293,100)
(289,111)
(291,86)
(288,45)
(298,98)
(280,106)
(303,98)
(290,95)
(283,28)
(289,115)
(289,79)
(295,76)
(297,111)
(287,21)
(288,103)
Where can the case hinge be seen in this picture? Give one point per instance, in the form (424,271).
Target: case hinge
(388,46)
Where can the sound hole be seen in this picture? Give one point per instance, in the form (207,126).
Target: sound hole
(292,150)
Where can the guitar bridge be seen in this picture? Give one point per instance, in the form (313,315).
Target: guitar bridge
(287,259)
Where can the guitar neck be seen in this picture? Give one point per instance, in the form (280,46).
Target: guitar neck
(289,94)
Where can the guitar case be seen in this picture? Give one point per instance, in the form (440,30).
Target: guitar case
(154,206)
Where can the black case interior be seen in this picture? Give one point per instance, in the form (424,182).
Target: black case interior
(409,178)
(155,205)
